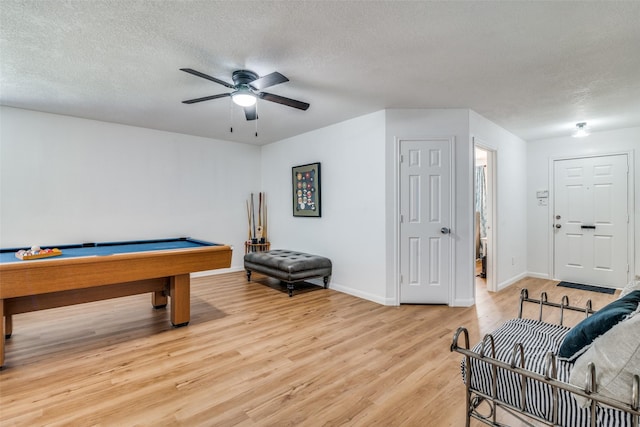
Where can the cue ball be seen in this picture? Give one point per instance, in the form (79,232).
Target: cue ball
(35,248)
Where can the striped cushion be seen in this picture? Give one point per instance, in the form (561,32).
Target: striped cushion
(537,339)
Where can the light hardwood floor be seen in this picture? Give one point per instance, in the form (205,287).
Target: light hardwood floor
(251,356)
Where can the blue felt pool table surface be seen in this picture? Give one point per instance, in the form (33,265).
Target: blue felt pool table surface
(109,248)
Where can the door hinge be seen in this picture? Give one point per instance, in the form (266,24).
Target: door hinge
(401,219)
(401,279)
(401,158)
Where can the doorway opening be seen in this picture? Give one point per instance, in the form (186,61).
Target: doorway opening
(484,216)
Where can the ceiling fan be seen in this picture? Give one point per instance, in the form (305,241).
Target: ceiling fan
(247,88)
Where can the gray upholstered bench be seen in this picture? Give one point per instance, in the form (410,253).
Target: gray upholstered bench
(288,266)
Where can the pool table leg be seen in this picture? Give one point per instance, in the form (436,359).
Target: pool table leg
(180,292)
(8,325)
(159,299)
(2,337)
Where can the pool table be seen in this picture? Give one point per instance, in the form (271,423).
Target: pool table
(97,271)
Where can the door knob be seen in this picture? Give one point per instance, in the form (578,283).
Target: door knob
(445,230)
(558,225)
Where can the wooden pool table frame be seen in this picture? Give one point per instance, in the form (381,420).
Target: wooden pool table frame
(38,285)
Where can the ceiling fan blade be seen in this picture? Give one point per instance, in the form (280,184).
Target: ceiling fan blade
(268,81)
(206,98)
(284,101)
(251,113)
(205,76)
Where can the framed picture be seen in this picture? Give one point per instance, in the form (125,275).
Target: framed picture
(306,190)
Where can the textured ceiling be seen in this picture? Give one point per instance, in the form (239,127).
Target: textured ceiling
(534,68)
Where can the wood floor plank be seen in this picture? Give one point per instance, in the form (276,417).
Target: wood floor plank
(251,356)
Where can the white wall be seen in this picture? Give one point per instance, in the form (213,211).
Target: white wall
(511,198)
(71,180)
(539,154)
(408,123)
(358,223)
(351,229)
(463,124)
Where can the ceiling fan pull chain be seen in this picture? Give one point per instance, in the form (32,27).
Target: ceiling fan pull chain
(231,116)
(256,120)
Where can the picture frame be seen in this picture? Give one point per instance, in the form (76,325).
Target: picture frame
(305,181)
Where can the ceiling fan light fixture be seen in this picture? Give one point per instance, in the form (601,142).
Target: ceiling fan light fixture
(243,98)
(247,88)
(581,130)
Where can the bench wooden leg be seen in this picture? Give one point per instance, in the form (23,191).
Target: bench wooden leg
(325,279)
(290,288)
(248,275)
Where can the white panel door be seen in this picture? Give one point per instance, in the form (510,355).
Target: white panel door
(591,220)
(425,219)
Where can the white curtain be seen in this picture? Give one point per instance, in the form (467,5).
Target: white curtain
(481,202)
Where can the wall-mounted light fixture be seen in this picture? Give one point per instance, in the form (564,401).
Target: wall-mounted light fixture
(581,130)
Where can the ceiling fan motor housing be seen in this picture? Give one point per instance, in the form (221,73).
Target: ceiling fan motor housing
(243,77)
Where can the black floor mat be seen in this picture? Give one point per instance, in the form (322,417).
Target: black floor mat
(591,288)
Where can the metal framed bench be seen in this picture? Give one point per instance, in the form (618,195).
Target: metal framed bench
(516,368)
(288,266)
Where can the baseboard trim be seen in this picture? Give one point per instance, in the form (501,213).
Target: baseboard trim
(539,275)
(511,281)
(468,302)
(316,281)
(217,272)
(361,294)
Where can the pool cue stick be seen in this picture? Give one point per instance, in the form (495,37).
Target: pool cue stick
(253,218)
(264,229)
(260,209)
(262,221)
(248,221)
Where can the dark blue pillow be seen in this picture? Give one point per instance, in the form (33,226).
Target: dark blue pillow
(582,335)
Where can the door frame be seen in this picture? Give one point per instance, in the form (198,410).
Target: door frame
(396,212)
(630,208)
(492,191)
